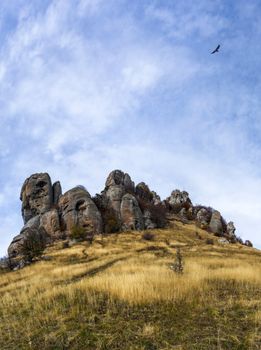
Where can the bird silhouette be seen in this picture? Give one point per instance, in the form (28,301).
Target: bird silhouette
(216,49)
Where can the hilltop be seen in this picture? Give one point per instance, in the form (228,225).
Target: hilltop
(51,215)
(120,293)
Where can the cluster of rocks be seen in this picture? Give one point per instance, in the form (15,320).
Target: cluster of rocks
(121,206)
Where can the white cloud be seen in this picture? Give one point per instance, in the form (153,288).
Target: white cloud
(86,88)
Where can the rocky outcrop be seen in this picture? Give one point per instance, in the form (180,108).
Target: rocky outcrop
(119,178)
(119,207)
(178,200)
(36,195)
(131,215)
(78,209)
(216,225)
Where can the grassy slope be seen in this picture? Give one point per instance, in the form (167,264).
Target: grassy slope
(120,293)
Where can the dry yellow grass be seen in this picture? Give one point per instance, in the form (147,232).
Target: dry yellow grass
(130,270)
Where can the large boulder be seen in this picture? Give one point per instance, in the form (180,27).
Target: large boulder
(178,200)
(117,185)
(216,223)
(131,215)
(36,195)
(78,209)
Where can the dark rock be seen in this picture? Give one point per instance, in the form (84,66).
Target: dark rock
(36,195)
(248,243)
(57,192)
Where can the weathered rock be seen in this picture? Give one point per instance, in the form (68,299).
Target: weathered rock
(155,198)
(51,223)
(183,213)
(223,241)
(148,220)
(78,209)
(36,195)
(203,216)
(114,196)
(143,192)
(57,191)
(230,229)
(178,200)
(216,225)
(15,247)
(118,177)
(131,215)
(248,243)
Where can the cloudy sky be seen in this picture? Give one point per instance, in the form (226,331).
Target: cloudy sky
(88,86)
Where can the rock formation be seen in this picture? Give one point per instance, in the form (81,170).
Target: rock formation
(215,224)
(36,195)
(131,215)
(178,200)
(120,207)
(77,208)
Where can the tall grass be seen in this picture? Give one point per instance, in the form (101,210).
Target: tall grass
(48,293)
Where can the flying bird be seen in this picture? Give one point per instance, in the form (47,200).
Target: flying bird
(216,49)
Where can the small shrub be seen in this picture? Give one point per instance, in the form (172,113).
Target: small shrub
(77,233)
(148,236)
(111,222)
(209,241)
(65,245)
(178,265)
(198,235)
(34,244)
(167,241)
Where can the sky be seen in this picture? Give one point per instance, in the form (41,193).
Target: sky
(89,86)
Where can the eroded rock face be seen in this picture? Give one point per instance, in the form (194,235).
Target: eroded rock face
(178,200)
(216,225)
(118,177)
(78,209)
(15,247)
(114,195)
(36,195)
(57,192)
(143,192)
(131,215)
(231,229)
(203,216)
(51,223)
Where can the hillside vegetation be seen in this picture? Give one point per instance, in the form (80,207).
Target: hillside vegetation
(120,293)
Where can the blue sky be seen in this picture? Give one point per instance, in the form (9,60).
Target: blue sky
(88,86)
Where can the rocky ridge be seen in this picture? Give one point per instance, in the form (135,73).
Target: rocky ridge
(121,206)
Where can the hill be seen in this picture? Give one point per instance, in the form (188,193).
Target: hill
(120,293)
